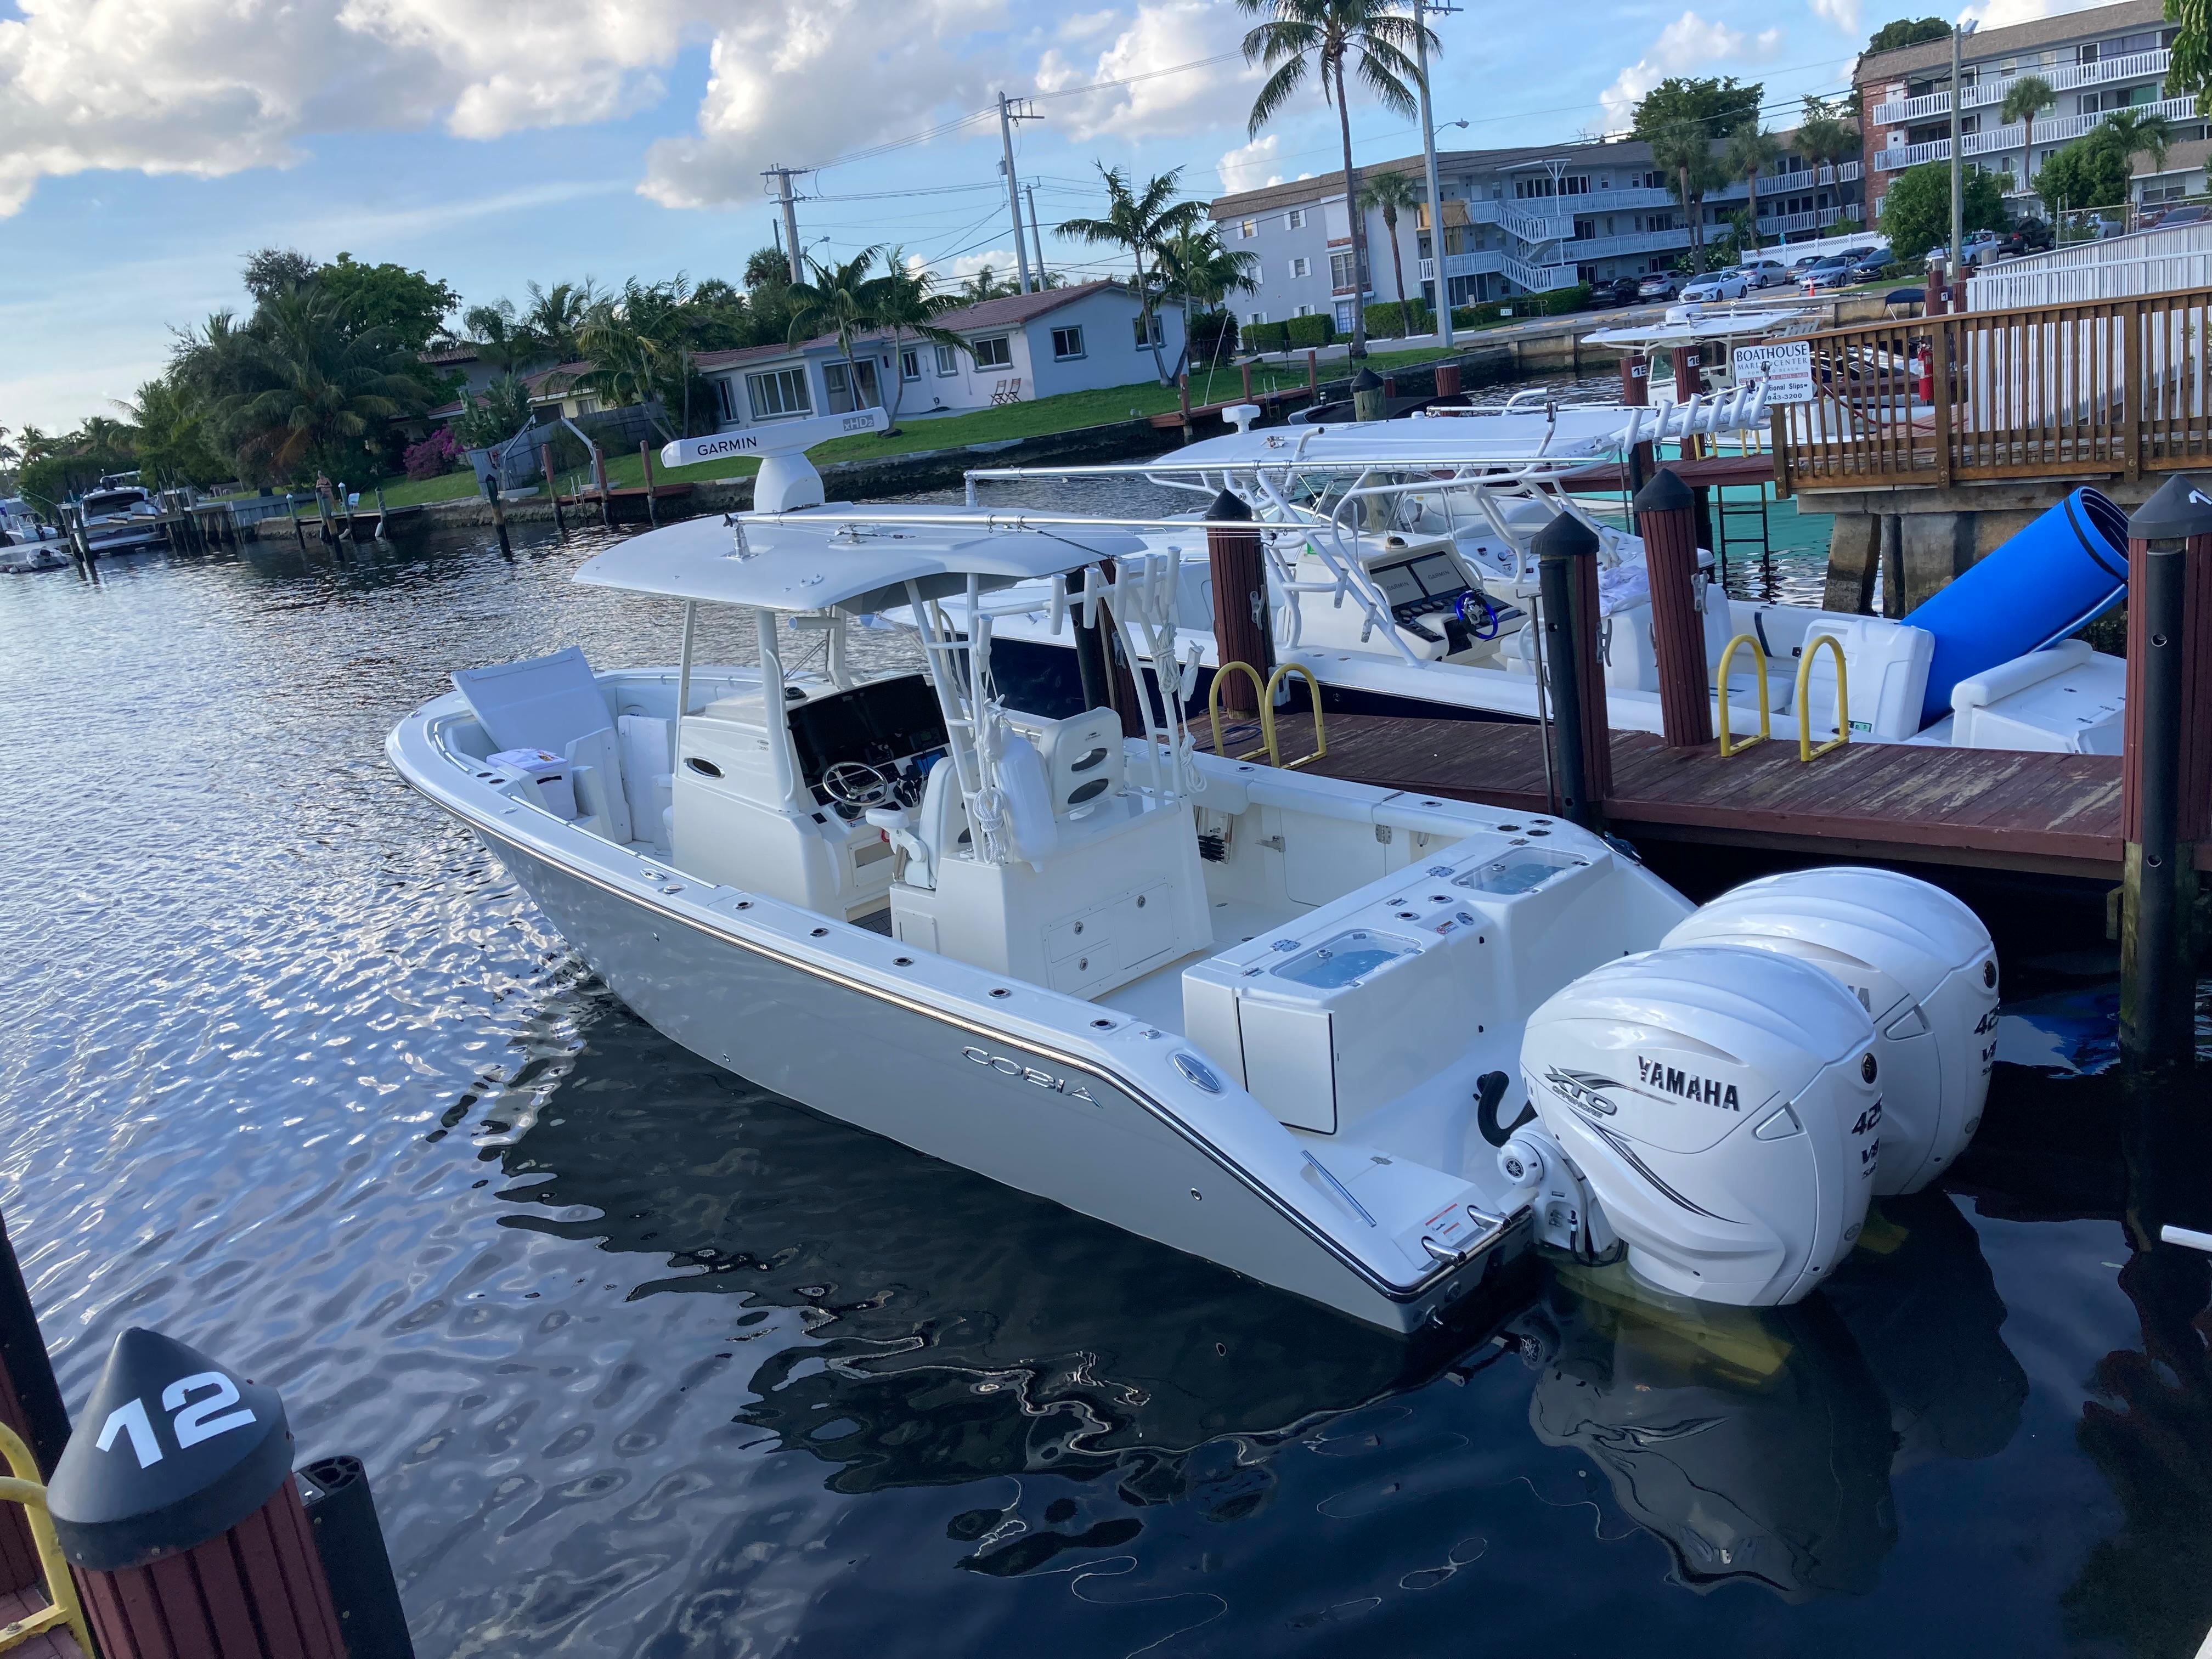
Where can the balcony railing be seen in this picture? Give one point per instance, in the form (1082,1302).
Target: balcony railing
(1607,247)
(1464,264)
(1991,89)
(2057,130)
(1783,224)
(1539,279)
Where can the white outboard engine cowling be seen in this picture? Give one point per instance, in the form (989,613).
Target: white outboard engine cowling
(1920,963)
(1721,1105)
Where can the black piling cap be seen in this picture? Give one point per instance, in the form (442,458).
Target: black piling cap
(1367,381)
(1666,492)
(170,1451)
(2182,507)
(1228,505)
(1565,537)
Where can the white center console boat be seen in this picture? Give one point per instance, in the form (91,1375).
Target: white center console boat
(1272,1019)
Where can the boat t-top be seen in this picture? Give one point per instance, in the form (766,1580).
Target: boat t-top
(1362,1045)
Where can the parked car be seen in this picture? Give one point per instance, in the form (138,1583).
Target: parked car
(1717,285)
(1805,263)
(2193,213)
(1766,273)
(1982,248)
(1659,285)
(1834,271)
(2029,236)
(1615,291)
(1870,267)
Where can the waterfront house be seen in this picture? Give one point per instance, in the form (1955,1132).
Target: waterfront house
(2107,59)
(1516,221)
(1020,347)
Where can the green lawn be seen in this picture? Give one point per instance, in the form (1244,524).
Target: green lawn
(1035,417)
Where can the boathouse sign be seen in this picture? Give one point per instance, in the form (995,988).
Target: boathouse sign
(1786,369)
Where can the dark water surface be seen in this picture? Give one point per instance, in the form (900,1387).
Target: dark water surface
(644,1360)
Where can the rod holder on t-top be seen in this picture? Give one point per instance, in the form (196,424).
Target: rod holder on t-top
(786,480)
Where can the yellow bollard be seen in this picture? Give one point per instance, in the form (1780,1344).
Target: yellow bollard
(1806,751)
(1729,745)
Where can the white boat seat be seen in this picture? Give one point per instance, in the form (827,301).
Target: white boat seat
(546,702)
(939,829)
(1083,756)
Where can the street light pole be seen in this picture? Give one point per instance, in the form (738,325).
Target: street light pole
(1421,9)
(1958,165)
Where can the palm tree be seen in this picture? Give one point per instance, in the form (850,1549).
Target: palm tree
(500,336)
(311,386)
(985,284)
(1197,267)
(1389,194)
(2024,100)
(555,314)
(1750,152)
(1141,221)
(2138,132)
(1682,150)
(1317,36)
(900,300)
(635,344)
(836,301)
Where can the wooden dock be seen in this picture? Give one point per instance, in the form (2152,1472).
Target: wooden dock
(2043,814)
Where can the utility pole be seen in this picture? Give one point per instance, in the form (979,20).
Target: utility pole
(1958,32)
(783,176)
(1011,110)
(1037,231)
(1422,9)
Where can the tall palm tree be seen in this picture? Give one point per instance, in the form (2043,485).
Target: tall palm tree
(1682,150)
(1140,221)
(985,284)
(1317,36)
(1750,152)
(553,316)
(311,386)
(2024,100)
(2138,132)
(634,341)
(1390,194)
(900,300)
(1198,268)
(836,300)
(502,338)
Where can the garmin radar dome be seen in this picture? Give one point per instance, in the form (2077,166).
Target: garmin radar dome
(1722,1108)
(1921,964)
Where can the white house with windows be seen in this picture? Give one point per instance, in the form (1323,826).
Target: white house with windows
(1020,347)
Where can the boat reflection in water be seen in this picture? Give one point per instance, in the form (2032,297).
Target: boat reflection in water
(911,1325)
(1759,1443)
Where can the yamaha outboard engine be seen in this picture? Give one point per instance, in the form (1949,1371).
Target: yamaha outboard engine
(1920,963)
(1720,1106)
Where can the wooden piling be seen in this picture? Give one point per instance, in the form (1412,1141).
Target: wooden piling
(1582,746)
(1246,367)
(1240,601)
(1183,402)
(299,534)
(1447,380)
(1313,373)
(498,513)
(380,511)
(652,511)
(323,508)
(599,474)
(1368,401)
(1666,514)
(2165,772)
(30,1405)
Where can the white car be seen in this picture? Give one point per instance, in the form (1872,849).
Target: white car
(1718,285)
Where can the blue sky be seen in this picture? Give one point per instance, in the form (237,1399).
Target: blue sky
(146,145)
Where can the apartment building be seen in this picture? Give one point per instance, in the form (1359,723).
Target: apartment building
(1515,221)
(2108,58)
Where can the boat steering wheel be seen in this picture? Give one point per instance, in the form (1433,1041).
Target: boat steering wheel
(857,784)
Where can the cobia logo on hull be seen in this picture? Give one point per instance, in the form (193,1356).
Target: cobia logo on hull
(1006,1067)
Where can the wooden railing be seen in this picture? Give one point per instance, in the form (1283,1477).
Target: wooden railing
(2113,388)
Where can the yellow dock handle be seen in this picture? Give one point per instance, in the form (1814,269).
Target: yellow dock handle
(1729,745)
(61,1590)
(1806,751)
(1214,712)
(1267,714)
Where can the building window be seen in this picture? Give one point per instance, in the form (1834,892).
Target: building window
(948,360)
(1528,189)
(993,353)
(1066,343)
(1294,219)
(1136,333)
(1246,229)
(1303,311)
(778,393)
(1340,268)
(725,402)
(910,364)
(1575,184)
(842,401)
(1302,267)
(1255,316)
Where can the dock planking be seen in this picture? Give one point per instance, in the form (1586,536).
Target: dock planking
(2043,814)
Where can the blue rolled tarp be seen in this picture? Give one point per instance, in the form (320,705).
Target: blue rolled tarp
(2062,571)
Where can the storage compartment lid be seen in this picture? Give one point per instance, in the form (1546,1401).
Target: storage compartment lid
(1345,959)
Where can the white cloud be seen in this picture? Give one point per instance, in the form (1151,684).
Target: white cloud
(799,80)
(1250,166)
(1998,13)
(953,272)
(1691,44)
(1160,35)
(1843,14)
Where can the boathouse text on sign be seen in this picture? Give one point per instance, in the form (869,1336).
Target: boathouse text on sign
(1786,369)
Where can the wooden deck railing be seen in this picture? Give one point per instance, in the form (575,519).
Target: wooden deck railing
(2106,389)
